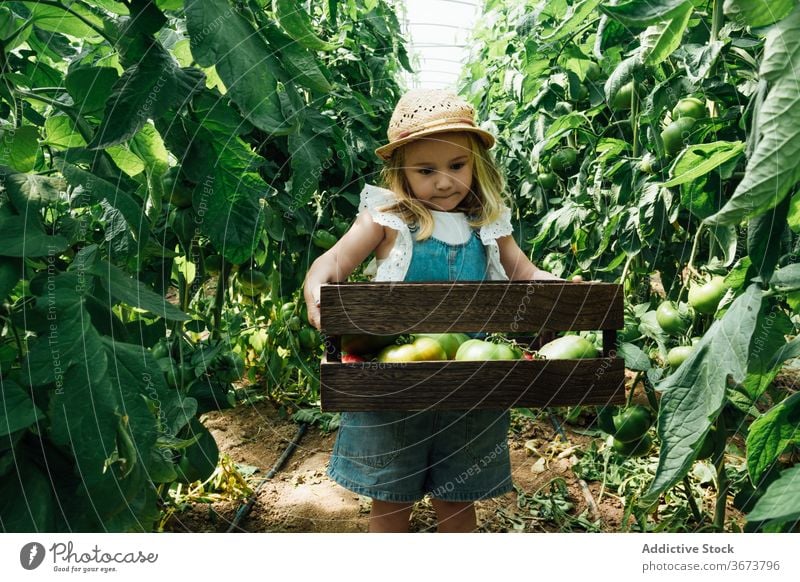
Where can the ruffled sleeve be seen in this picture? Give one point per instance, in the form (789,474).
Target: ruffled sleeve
(489,234)
(395,266)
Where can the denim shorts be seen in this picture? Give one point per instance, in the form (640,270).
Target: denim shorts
(401,456)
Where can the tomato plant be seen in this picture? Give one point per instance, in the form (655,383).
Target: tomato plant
(682,192)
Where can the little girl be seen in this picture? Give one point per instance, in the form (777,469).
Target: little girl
(443,217)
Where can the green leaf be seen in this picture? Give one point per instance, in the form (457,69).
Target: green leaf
(31,192)
(90,87)
(635,358)
(19,147)
(765,234)
(295,21)
(786,279)
(101,190)
(309,150)
(793,217)
(620,76)
(17,410)
(126,160)
(770,434)
(575,17)
(232,215)
(126,289)
(26,500)
(757,13)
(55,19)
(26,238)
(699,160)
(10,273)
(772,170)
(769,341)
(61,133)
(645,12)
(659,41)
(695,393)
(146,90)
(782,499)
(301,64)
(222,38)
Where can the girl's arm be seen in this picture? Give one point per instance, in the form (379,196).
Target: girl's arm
(517,265)
(340,260)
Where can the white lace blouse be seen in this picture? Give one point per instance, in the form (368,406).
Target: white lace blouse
(395,266)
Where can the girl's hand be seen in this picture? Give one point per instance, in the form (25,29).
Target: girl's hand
(312,305)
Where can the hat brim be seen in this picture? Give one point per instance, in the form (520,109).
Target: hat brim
(385,152)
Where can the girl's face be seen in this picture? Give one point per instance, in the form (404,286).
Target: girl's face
(439,170)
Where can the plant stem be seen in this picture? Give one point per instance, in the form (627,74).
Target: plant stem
(629,400)
(219,299)
(690,264)
(650,393)
(717,18)
(722,477)
(634,120)
(698,517)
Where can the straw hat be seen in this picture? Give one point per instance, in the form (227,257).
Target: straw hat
(427,111)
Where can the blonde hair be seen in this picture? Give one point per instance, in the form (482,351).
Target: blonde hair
(483,204)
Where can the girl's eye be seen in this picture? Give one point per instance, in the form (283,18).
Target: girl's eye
(458,166)
(425,171)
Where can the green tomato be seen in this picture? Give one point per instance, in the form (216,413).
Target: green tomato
(622,100)
(476,350)
(323,239)
(160,350)
(669,318)
(580,92)
(637,448)
(562,108)
(676,135)
(213,264)
(568,347)
(563,161)
(340,226)
(547,180)
(287,310)
(705,298)
(252,282)
(677,355)
(294,323)
(605,419)
(506,352)
(450,342)
(632,423)
(689,107)
(593,71)
(422,349)
(308,338)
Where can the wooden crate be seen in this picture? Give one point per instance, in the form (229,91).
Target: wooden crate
(496,306)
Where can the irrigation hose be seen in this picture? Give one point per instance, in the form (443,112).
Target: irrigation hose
(247,507)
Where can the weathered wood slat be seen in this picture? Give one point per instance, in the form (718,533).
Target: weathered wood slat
(457,385)
(494,306)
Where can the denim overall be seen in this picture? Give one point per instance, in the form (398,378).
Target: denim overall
(453,455)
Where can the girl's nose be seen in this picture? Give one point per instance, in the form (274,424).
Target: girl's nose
(443,181)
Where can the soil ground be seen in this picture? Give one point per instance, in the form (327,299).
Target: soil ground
(301,498)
